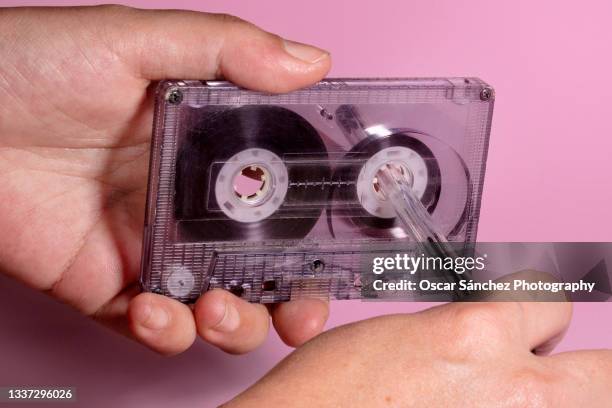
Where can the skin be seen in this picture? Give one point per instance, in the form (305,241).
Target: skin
(459,354)
(75,123)
(75,126)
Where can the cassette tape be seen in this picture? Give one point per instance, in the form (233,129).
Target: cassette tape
(275,197)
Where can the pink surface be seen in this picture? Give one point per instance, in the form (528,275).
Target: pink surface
(548,173)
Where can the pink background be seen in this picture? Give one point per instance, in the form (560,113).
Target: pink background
(548,173)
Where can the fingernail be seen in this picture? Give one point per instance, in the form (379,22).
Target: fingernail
(152,317)
(230,320)
(305,52)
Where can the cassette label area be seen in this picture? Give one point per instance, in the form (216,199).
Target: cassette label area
(275,197)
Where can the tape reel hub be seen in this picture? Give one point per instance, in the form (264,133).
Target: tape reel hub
(251,185)
(403,172)
(412,166)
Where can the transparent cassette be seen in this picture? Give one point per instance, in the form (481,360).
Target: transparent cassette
(275,197)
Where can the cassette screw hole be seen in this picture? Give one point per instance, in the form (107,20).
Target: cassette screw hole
(237,290)
(268,285)
(326,114)
(251,184)
(174,97)
(317,266)
(486,94)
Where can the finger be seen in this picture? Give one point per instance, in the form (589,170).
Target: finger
(534,326)
(231,323)
(545,324)
(542,324)
(161,323)
(589,372)
(192,45)
(300,320)
(114,313)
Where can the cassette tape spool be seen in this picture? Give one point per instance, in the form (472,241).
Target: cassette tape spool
(275,197)
(374,216)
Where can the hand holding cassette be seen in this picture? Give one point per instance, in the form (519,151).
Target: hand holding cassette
(74,147)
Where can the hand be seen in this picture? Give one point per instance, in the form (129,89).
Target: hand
(460,354)
(75,124)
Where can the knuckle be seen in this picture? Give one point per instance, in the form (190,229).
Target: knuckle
(237,26)
(476,330)
(473,324)
(229,19)
(533,388)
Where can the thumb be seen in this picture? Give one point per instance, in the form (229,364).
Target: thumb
(159,44)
